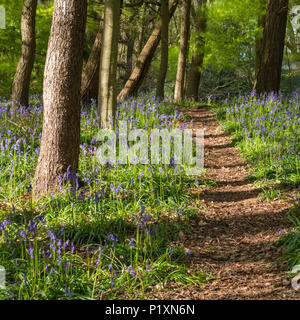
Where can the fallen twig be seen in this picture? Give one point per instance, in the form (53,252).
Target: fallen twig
(17,125)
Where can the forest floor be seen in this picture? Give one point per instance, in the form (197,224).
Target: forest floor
(234,238)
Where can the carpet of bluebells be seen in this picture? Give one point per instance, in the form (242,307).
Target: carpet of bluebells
(110,235)
(267,129)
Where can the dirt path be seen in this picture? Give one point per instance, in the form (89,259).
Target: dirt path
(234,238)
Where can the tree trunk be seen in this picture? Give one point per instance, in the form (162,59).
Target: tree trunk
(90,74)
(59,152)
(160,89)
(21,83)
(198,54)
(259,37)
(144,60)
(269,71)
(183,50)
(129,56)
(107,102)
(141,31)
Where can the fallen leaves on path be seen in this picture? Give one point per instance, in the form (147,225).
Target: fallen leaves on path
(235,241)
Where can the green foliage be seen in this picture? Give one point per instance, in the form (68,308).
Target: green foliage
(10,44)
(289,243)
(232,27)
(10,39)
(43,24)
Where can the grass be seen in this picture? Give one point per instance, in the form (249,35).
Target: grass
(290,242)
(110,231)
(267,131)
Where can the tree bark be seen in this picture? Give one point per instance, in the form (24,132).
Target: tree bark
(269,70)
(160,89)
(198,54)
(90,74)
(59,152)
(183,50)
(259,37)
(107,97)
(21,83)
(144,59)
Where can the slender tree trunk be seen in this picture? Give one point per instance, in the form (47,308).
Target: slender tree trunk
(183,50)
(259,37)
(21,83)
(59,151)
(269,71)
(141,31)
(198,53)
(144,60)
(145,22)
(90,74)
(160,89)
(107,102)
(129,57)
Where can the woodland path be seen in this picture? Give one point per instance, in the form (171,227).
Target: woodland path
(233,239)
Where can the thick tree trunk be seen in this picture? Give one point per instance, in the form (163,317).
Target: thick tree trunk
(259,37)
(59,151)
(183,50)
(269,71)
(90,74)
(144,60)
(20,86)
(107,97)
(198,54)
(160,89)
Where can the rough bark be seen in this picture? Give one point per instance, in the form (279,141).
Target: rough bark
(107,97)
(144,59)
(90,74)
(59,152)
(259,37)
(21,82)
(198,53)
(183,50)
(269,71)
(164,12)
